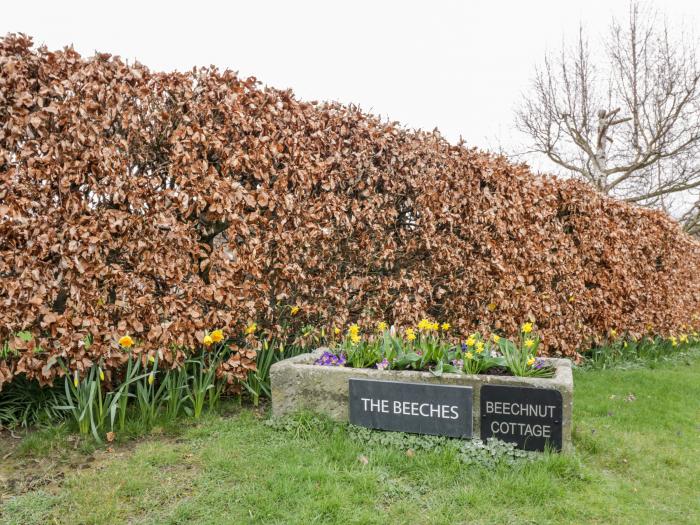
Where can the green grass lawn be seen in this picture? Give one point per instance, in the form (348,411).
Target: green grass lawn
(637,436)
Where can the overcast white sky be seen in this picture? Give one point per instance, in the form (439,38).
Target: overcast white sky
(457,66)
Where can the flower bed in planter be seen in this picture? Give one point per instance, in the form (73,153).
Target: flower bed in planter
(425,383)
(299,384)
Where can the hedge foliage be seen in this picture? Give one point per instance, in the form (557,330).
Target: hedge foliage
(165,204)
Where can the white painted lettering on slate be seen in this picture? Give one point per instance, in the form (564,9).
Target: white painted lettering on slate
(410,408)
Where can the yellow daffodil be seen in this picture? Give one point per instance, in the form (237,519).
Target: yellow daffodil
(151,378)
(624,345)
(435,327)
(355,338)
(491,307)
(217,336)
(76,382)
(294,310)
(381,326)
(529,343)
(496,338)
(613,333)
(424,325)
(571,298)
(251,328)
(479,347)
(683,338)
(469,355)
(353,329)
(207,340)
(531,361)
(674,342)
(526,328)
(336,330)
(102,375)
(126,341)
(445,327)
(410,334)
(152,359)
(470,341)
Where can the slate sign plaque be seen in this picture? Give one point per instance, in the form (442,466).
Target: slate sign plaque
(528,417)
(420,408)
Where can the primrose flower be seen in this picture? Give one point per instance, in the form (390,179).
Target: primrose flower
(330,359)
(126,341)
(469,355)
(531,361)
(294,310)
(384,364)
(251,328)
(529,343)
(410,334)
(526,328)
(445,327)
(496,338)
(381,326)
(217,336)
(479,347)
(471,341)
(207,341)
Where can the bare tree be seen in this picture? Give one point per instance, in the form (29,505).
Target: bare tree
(625,118)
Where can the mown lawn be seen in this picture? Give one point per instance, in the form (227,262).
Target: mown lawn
(637,435)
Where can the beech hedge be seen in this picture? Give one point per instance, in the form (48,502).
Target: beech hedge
(162,205)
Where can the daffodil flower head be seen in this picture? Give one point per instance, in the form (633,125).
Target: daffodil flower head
(526,328)
(424,325)
(126,341)
(469,355)
(151,378)
(471,341)
(435,327)
(102,375)
(76,381)
(207,341)
(251,328)
(336,330)
(529,343)
(479,347)
(382,326)
(294,310)
(496,338)
(410,334)
(355,338)
(531,361)
(491,307)
(445,327)
(217,336)
(152,359)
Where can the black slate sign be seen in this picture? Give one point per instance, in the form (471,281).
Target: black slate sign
(528,417)
(420,408)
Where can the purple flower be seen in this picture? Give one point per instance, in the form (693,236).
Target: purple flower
(418,352)
(539,363)
(330,359)
(384,364)
(458,363)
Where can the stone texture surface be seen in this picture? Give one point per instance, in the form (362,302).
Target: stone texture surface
(298,384)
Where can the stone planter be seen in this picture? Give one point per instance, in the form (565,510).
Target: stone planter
(299,384)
